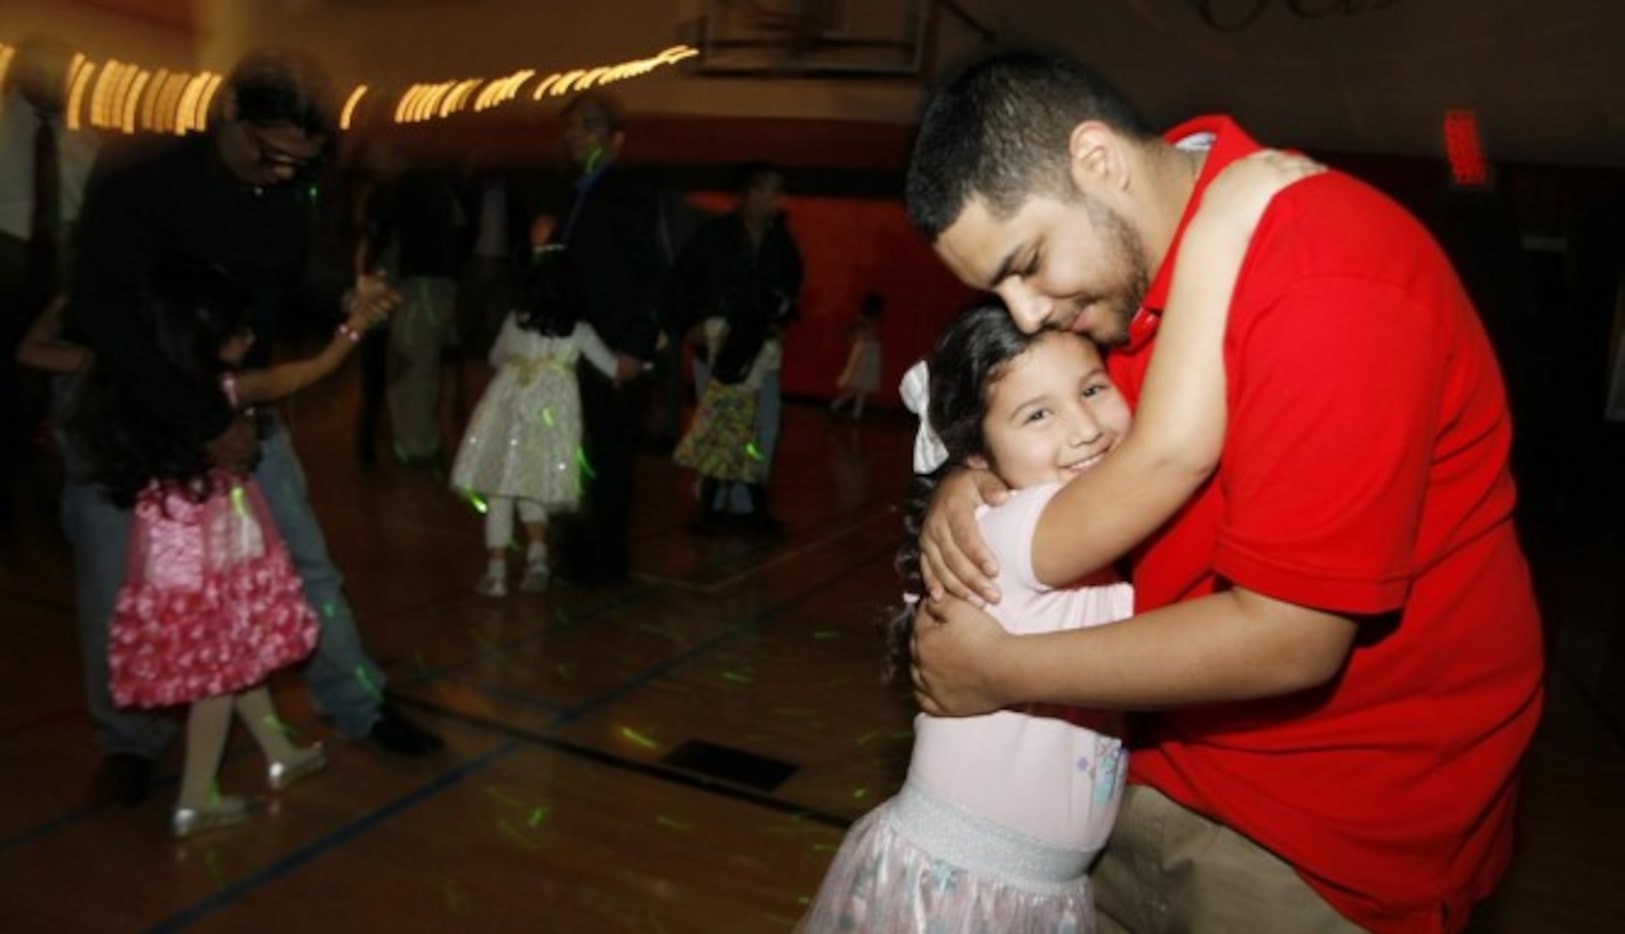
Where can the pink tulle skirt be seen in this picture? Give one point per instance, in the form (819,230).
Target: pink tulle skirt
(920,864)
(210,603)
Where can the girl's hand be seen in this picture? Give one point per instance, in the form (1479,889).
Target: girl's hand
(361,322)
(953,558)
(1241,191)
(953,646)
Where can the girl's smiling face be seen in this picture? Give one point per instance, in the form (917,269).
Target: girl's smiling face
(1052,414)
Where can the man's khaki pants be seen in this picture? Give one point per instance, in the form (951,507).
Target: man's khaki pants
(1168,870)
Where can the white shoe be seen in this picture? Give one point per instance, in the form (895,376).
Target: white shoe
(536,577)
(492,585)
(305,763)
(221,812)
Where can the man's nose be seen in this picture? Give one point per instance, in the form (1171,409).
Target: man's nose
(1029,309)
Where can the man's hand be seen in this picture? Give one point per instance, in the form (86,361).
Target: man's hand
(236,449)
(372,297)
(627,368)
(955,648)
(953,558)
(1240,192)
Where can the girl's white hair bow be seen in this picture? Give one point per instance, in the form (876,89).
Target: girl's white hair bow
(929,451)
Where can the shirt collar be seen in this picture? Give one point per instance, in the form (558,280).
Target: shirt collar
(1225,142)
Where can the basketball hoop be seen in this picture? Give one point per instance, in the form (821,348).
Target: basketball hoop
(812,38)
(797,32)
(797,28)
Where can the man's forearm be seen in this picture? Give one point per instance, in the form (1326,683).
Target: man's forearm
(1230,646)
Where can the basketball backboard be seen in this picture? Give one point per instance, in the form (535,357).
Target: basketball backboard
(812,38)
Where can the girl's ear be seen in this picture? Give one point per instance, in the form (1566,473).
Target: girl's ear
(977,462)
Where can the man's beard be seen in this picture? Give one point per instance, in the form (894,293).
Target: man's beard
(1125,250)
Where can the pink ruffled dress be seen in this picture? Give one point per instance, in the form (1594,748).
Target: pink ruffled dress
(211,603)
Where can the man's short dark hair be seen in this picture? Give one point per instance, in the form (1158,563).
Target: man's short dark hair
(999,129)
(283,86)
(751,174)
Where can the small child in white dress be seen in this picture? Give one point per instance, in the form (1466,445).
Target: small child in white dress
(522,449)
(861,376)
(1001,815)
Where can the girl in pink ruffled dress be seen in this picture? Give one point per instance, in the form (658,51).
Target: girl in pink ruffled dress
(211,604)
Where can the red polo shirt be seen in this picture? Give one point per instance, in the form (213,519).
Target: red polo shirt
(1364,473)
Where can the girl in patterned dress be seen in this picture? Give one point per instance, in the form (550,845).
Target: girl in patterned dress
(522,449)
(1001,815)
(720,445)
(211,604)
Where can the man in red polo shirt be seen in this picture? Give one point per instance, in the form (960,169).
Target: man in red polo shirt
(1338,630)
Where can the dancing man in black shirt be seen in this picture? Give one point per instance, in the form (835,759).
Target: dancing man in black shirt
(233,197)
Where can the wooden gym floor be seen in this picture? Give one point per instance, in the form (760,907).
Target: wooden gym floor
(680,753)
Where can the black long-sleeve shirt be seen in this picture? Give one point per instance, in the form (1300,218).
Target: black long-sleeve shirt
(180,200)
(721,272)
(615,263)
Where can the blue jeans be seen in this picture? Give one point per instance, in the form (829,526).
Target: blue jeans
(344,683)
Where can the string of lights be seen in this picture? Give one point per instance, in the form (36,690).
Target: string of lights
(124,97)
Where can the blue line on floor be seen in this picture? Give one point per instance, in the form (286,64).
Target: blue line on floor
(287,864)
(299,857)
(748,624)
(157,784)
(562,622)
(32,834)
(507,694)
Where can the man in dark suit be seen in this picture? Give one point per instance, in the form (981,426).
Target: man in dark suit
(614,271)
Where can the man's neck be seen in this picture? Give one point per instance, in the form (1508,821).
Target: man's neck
(1172,174)
(755,226)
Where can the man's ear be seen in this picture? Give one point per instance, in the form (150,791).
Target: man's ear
(615,140)
(1097,158)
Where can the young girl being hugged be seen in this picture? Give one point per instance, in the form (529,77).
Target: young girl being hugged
(1001,815)
(522,448)
(720,445)
(211,604)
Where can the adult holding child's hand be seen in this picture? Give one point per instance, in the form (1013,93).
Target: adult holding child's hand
(374,296)
(231,199)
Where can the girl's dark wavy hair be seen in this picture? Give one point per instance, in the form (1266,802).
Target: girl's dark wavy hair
(191,309)
(547,309)
(965,363)
(747,332)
